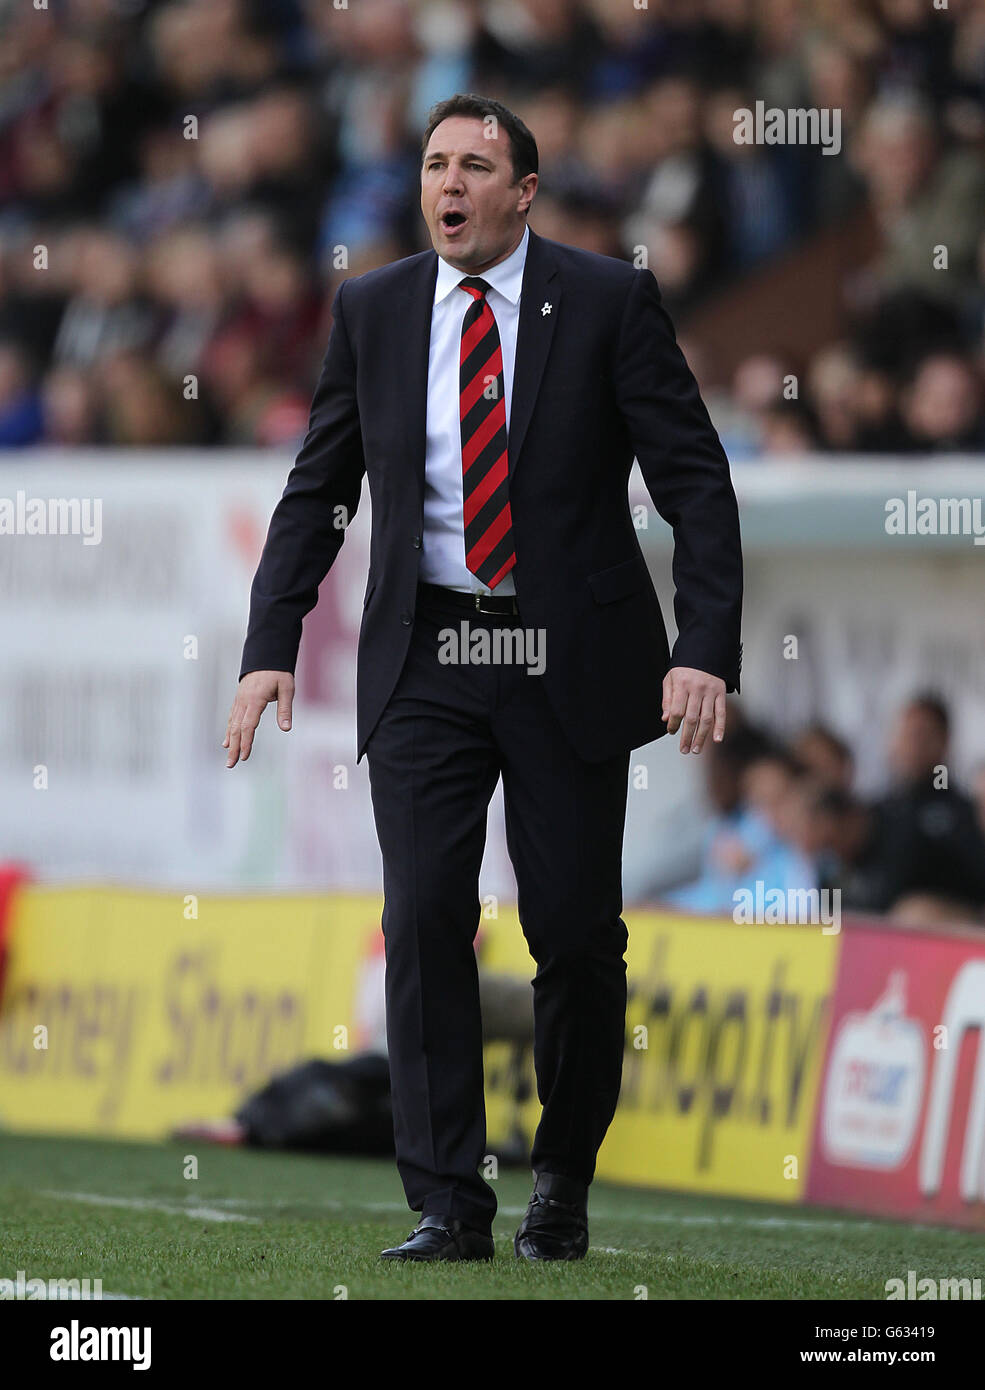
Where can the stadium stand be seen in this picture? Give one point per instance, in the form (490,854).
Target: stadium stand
(182,185)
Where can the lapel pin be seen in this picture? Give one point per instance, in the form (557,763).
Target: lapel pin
(546,309)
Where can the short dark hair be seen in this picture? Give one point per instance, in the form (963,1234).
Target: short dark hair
(833,801)
(523,146)
(930,703)
(835,745)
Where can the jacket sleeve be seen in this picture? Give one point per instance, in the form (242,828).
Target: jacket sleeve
(308,524)
(687,476)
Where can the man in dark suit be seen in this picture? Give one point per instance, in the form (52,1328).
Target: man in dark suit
(495,391)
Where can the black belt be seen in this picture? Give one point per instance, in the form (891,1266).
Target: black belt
(468,603)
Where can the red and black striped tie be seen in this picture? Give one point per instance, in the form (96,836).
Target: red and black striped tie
(489,553)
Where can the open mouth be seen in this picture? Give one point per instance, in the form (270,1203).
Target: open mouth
(451,220)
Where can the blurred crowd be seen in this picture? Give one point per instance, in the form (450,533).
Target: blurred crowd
(787,816)
(183,183)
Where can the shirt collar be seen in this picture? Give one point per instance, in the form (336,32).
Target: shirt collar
(505,276)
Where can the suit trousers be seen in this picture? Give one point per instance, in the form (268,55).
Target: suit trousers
(449,731)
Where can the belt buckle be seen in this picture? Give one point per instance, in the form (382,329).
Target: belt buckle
(493,611)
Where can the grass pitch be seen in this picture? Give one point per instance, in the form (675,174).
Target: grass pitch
(257,1225)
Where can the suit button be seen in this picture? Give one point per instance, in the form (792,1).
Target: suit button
(406,619)
(416,542)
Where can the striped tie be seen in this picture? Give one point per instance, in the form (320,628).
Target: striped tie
(489,553)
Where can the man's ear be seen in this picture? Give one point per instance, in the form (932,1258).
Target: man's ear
(528,185)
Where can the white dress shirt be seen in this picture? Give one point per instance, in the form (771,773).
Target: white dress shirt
(443,557)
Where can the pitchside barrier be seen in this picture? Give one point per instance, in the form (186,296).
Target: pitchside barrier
(861,578)
(772,1062)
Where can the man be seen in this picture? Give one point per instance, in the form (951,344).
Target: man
(919,853)
(929,842)
(495,390)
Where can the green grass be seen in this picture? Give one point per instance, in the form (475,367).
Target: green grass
(318,1223)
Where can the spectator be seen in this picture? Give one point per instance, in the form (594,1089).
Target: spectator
(838,833)
(106,313)
(733,838)
(930,842)
(942,406)
(921,197)
(755,791)
(69,409)
(826,758)
(774,787)
(20,404)
(978,794)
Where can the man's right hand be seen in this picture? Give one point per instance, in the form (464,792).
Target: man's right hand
(256,690)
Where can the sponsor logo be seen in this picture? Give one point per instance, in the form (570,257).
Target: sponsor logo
(875,1084)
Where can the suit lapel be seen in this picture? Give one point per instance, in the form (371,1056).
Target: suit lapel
(540,300)
(412,338)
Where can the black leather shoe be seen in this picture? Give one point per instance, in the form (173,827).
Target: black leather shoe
(555,1226)
(442,1238)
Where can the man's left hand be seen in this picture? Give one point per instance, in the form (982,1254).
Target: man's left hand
(693,702)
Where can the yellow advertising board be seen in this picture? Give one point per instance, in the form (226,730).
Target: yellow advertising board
(128,1012)
(725,1036)
(123,1014)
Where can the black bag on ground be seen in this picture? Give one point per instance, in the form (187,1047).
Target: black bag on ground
(325,1107)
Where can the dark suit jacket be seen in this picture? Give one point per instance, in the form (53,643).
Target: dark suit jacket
(597,379)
